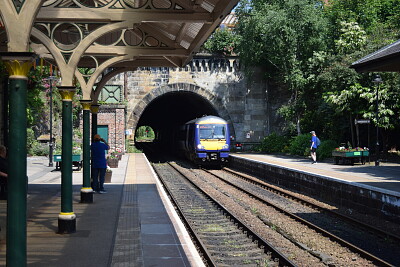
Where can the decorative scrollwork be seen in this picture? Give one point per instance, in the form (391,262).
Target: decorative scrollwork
(95,3)
(133,37)
(67,36)
(78,3)
(161,4)
(150,41)
(111,38)
(18,4)
(114,4)
(87,72)
(135,3)
(50,2)
(129,37)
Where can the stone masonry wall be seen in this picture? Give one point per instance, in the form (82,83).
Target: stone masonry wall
(245,100)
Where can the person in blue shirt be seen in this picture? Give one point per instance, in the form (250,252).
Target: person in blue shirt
(99,163)
(313,147)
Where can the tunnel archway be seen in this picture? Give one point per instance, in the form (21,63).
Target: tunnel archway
(166,108)
(169,111)
(175,108)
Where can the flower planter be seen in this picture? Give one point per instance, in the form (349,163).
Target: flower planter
(119,155)
(107,177)
(113,163)
(350,156)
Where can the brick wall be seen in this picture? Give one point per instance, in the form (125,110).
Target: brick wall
(113,116)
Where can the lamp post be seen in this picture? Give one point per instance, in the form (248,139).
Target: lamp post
(51,79)
(377,80)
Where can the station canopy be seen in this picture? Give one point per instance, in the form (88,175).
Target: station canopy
(142,33)
(385,59)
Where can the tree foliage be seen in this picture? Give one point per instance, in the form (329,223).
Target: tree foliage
(35,98)
(282,37)
(352,37)
(307,47)
(144,133)
(222,42)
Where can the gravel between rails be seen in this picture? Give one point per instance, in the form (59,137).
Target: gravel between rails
(228,244)
(300,244)
(375,243)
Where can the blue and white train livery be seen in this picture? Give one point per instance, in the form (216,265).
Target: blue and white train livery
(205,140)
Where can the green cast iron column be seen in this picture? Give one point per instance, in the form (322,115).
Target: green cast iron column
(86,191)
(66,218)
(18,65)
(95,110)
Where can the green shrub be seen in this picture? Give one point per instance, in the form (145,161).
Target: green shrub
(133,149)
(272,143)
(300,145)
(325,149)
(30,140)
(38,149)
(78,134)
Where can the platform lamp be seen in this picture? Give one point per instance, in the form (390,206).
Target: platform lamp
(51,79)
(377,81)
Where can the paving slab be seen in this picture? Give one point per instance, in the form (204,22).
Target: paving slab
(134,224)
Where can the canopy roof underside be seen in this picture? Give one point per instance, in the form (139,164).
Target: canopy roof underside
(149,33)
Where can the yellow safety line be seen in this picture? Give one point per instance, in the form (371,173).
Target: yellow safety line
(66,213)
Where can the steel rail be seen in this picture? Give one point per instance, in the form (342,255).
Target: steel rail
(354,248)
(268,248)
(314,205)
(202,248)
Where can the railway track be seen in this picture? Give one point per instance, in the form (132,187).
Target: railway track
(222,239)
(365,232)
(370,228)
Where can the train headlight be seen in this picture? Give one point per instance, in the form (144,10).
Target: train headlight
(226,146)
(200,146)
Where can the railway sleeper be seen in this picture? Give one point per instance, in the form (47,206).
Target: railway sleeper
(230,242)
(220,222)
(232,233)
(248,248)
(261,260)
(206,217)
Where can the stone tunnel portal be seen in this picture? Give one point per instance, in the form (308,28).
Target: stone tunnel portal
(169,111)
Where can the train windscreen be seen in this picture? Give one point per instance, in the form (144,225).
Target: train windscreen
(212,131)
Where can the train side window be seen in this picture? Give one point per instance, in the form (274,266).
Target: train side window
(191,135)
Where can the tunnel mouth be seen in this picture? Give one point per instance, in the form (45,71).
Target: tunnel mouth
(167,112)
(144,134)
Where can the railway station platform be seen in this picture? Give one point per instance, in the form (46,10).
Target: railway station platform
(134,224)
(384,177)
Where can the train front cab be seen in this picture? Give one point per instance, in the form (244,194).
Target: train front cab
(211,140)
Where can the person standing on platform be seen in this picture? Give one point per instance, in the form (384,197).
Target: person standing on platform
(99,163)
(313,148)
(3,172)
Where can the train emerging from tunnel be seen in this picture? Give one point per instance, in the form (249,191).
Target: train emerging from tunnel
(205,141)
